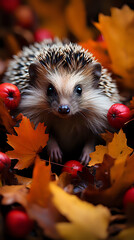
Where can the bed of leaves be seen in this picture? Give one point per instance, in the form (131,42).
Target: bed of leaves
(89,206)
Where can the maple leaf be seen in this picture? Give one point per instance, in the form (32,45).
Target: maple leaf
(118,32)
(27,143)
(39,191)
(84,226)
(117,148)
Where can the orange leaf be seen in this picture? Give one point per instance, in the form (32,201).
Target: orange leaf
(99,50)
(5,118)
(27,143)
(14,194)
(107,136)
(39,192)
(118,31)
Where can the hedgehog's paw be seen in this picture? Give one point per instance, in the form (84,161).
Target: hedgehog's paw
(85,158)
(54,150)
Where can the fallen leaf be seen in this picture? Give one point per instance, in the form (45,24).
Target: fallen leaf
(112,196)
(23,180)
(126,234)
(118,32)
(90,216)
(103,172)
(27,143)
(107,136)
(39,192)
(14,194)
(5,118)
(98,155)
(131,106)
(117,148)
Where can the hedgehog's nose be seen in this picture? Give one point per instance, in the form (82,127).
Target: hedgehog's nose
(64,109)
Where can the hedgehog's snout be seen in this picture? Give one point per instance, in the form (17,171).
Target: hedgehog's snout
(64,109)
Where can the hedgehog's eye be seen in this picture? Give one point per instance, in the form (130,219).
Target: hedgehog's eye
(51,90)
(78,90)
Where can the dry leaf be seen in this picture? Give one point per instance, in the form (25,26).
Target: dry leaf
(123,180)
(5,118)
(14,194)
(107,136)
(83,216)
(131,106)
(118,32)
(39,191)
(27,143)
(126,234)
(23,180)
(116,149)
(99,51)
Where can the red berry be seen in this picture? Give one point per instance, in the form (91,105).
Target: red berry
(18,223)
(5,161)
(10,95)
(100,38)
(72,167)
(24,16)
(42,34)
(9,5)
(117,115)
(128,197)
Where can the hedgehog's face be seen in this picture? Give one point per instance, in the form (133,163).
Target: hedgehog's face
(66,92)
(64,103)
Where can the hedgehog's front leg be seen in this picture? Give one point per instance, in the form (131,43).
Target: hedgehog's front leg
(54,150)
(88,148)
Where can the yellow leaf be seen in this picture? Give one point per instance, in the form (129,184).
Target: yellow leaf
(27,143)
(118,32)
(39,191)
(83,216)
(98,155)
(117,148)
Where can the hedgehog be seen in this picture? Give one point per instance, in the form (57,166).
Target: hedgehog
(64,86)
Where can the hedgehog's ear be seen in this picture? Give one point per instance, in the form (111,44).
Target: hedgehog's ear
(96,69)
(33,72)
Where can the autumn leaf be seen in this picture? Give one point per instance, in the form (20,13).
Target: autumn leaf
(126,234)
(75,14)
(107,136)
(14,194)
(39,191)
(27,143)
(118,32)
(5,118)
(83,216)
(131,106)
(99,51)
(116,149)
